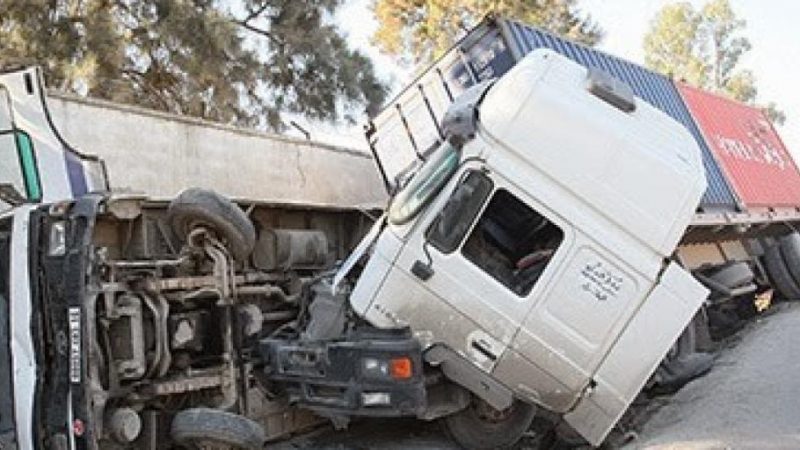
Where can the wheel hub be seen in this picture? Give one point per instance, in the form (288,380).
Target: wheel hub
(491,415)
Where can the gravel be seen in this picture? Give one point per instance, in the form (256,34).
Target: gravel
(750,400)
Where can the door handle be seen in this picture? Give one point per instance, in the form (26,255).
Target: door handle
(483,349)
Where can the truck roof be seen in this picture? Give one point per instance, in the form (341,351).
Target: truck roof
(633,169)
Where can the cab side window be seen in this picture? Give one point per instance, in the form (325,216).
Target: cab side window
(448,230)
(512,242)
(10,165)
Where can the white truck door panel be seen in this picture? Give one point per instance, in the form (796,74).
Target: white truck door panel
(637,353)
(403,300)
(454,304)
(491,311)
(569,330)
(5,111)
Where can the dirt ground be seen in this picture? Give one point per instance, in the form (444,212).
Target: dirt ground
(749,400)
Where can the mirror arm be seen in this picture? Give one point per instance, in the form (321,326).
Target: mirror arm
(10,195)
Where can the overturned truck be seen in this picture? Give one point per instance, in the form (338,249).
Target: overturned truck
(138,313)
(492,287)
(528,260)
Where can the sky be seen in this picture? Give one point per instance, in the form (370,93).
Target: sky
(772,28)
(773,31)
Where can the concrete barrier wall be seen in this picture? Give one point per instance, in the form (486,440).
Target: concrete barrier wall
(160,154)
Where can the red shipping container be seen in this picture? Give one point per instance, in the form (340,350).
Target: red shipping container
(756,163)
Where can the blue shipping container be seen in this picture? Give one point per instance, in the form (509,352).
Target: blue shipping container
(409,125)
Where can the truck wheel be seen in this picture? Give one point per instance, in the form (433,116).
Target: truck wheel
(686,344)
(790,249)
(207,429)
(479,426)
(779,274)
(671,368)
(200,207)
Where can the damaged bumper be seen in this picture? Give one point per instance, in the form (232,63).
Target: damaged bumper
(366,375)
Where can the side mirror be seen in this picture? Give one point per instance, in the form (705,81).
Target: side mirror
(10,194)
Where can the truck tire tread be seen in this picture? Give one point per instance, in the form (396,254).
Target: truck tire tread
(197,206)
(468,430)
(790,249)
(196,426)
(779,274)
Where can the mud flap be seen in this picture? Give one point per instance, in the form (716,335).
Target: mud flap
(637,353)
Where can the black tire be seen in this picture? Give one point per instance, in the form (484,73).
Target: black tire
(687,359)
(669,368)
(779,274)
(686,344)
(200,207)
(790,250)
(199,428)
(472,429)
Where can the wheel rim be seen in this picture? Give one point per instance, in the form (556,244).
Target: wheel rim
(488,414)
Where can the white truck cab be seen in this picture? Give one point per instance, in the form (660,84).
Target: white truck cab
(538,250)
(36,164)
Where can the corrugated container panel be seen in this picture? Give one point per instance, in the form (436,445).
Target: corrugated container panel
(652,87)
(399,136)
(490,50)
(757,164)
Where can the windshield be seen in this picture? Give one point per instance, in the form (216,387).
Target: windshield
(18,174)
(10,168)
(10,171)
(424,185)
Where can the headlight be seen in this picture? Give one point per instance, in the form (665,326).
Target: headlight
(57,245)
(374,368)
(398,368)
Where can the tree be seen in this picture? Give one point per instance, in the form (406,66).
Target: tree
(704,48)
(245,62)
(422,30)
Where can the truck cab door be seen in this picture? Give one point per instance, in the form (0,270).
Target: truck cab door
(461,279)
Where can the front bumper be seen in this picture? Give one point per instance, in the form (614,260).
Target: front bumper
(330,376)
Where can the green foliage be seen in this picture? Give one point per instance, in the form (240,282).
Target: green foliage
(244,62)
(672,44)
(423,30)
(704,48)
